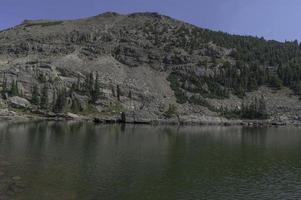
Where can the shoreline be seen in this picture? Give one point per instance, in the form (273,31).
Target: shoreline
(216,121)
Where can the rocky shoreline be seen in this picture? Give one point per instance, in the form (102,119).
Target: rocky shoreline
(134,118)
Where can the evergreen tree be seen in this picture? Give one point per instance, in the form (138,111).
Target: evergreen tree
(254,110)
(35,98)
(75,107)
(95,92)
(89,83)
(14,91)
(130,94)
(61,101)
(298,88)
(262,109)
(4,87)
(118,93)
(44,97)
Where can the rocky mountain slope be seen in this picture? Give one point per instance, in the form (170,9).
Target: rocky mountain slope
(149,67)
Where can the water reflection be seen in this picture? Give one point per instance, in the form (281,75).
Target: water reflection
(73,160)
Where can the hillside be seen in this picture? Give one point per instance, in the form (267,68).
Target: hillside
(149,67)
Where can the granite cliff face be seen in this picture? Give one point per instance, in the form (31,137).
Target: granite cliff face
(147,66)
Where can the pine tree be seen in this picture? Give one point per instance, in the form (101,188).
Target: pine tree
(75,107)
(118,93)
(262,109)
(44,97)
(35,99)
(14,91)
(254,110)
(95,92)
(130,94)
(297,88)
(60,101)
(4,87)
(90,83)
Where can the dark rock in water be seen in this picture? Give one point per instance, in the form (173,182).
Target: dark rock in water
(112,120)
(98,120)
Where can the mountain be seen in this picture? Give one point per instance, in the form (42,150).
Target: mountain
(150,68)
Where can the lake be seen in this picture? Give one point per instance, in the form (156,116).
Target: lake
(84,161)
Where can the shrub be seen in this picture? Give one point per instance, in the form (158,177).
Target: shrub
(171,111)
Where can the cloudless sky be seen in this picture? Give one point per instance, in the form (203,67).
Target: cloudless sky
(272,19)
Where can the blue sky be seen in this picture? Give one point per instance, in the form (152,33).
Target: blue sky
(272,19)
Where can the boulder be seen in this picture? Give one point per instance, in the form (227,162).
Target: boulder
(73,116)
(18,102)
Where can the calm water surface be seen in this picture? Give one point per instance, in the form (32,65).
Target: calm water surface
(83,161)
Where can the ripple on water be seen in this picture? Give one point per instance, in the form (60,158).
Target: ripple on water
(141,162)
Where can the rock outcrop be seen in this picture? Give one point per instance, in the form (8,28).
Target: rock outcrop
(18,102)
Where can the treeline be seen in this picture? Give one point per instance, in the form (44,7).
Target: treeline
(56,98)
(88,86)
(255,109)
(55,95)
(10,89)
(241,78)
(279,60)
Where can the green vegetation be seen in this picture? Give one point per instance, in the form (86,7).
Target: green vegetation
(4,87)
(90,86)
(118,92)
(35,98)
(171,111)
(60,101)
(256,109)
(257,62)
(63,98)
(44,97)
(175,85)
(95,92)
(14,90)
(281,58)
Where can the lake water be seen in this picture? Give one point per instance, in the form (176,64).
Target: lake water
(61,161)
